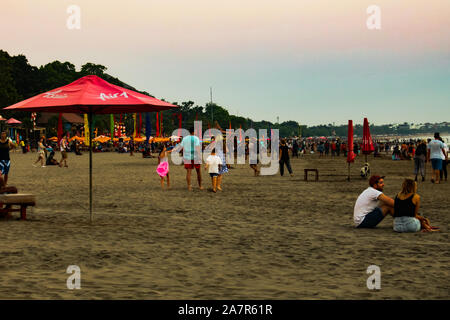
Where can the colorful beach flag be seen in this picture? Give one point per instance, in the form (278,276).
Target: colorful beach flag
(86,129)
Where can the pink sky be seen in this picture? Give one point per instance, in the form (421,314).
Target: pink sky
(200,27)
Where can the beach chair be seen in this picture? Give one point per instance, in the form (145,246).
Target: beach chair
(7,201)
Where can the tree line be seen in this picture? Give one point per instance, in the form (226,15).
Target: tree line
(19,80)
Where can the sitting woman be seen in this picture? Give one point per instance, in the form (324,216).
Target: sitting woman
(51,161)
(406,208)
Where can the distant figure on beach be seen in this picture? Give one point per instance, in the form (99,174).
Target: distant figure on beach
(192,150)
(284,158)
(367,213)
(254,146)
(321,149)
(444,156)
(63,148)
(51,161)
(23,146)
(295,148)
(5,163)
(41,153)
(213,162)
(419,159)
(435,148)
(131,146)
(223,168)
(163,166)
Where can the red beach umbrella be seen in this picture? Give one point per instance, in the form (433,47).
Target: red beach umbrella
(13,121)
(367,144)
(350,154)
(91,95)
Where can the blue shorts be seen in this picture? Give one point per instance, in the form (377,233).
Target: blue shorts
(212,175)
(372,219)
(4,166)
(436,164)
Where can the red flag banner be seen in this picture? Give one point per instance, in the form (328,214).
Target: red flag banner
(367,146)
(157,124)
(350,154)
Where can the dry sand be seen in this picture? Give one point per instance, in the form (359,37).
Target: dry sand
(266,237)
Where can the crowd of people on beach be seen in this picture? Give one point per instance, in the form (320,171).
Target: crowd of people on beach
(371,207)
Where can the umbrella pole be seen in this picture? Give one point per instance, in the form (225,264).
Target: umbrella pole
(348,178)
(91,217)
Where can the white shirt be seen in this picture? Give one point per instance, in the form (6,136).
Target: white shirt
(366,202)
(62,145)
(213,162)
(435,147)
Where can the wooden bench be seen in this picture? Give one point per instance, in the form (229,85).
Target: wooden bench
(312,170)
(18,199)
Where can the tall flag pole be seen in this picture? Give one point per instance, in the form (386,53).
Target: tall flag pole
(111,126)
(157,124)
(60,128)
(161,128)
(86,129)
(134,125)
(179,124)
(140,124)
(148,129)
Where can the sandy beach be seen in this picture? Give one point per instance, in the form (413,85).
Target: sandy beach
(266,237)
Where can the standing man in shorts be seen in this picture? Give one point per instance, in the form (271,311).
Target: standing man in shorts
(435,147)
(372,205)
(192,151)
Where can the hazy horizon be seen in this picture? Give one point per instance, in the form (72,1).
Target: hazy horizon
(314,62)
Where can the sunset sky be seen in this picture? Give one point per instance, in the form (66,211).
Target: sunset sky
(312,61)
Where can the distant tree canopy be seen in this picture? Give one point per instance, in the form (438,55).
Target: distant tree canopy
(19,80)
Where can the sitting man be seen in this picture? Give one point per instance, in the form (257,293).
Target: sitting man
(367,213)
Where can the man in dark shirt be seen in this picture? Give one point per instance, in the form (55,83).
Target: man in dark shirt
(284,158)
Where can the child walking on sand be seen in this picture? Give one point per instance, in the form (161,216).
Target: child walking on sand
(163,166)
(212,164)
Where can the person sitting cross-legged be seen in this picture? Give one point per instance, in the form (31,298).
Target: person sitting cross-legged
(372,205)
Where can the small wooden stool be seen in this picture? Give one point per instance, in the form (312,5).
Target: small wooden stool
(312,170)
(18,199)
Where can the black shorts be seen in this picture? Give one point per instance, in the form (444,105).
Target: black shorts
(372,219)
